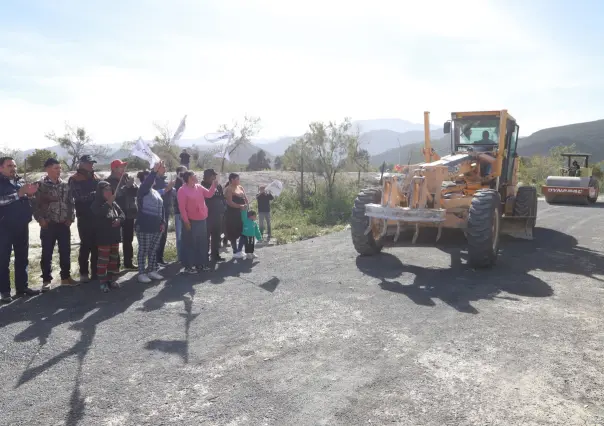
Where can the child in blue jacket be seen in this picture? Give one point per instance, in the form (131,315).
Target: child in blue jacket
(250,230)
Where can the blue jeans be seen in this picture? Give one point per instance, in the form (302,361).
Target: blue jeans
(178,228)
(195,244)
(17,240)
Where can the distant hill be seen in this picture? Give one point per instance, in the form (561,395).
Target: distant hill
(378,141)
(588,138)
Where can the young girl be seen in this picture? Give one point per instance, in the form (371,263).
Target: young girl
(250,230)
(108,219)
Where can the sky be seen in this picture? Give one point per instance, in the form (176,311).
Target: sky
(117,66)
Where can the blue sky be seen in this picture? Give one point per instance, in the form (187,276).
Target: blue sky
(114,67)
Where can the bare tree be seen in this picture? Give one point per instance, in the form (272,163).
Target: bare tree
(242,131)
(77,143)
(164,146)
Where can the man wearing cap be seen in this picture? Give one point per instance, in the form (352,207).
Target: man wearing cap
(15,215)
(216,207)
(83,187)
(54,211)
(125,197)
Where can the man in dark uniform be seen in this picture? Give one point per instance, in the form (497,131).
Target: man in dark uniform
(216,207)
(15,215)
(83,187)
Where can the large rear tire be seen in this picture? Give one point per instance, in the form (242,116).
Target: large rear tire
(594,191)
(365,245)
(526,204)
(484,223)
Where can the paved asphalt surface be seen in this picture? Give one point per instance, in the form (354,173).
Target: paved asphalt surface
(311,334)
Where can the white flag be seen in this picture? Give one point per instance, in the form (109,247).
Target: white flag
(180,130)
(142,150)
(218,136)
(224,154)
(275,187)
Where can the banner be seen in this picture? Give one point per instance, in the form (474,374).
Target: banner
(218,136)
(223,154)
(142,150)
(180,130)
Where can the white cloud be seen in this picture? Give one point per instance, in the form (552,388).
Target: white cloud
(288,62)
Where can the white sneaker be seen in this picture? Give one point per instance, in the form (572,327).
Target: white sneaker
(143,278)
(239,255)
(155,276)
(253,256)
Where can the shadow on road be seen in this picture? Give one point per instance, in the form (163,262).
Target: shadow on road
(459,285)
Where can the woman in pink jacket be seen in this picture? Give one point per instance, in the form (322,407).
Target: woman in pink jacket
(193,213)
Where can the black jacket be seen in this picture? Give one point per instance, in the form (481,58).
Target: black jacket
(104,216)
(126,196)
(83,187)
(217,203)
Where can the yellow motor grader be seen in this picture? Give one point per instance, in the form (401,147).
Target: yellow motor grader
(474,189)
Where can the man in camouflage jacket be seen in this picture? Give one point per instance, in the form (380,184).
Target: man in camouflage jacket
(54,210)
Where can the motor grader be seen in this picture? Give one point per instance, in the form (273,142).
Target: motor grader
(473,189)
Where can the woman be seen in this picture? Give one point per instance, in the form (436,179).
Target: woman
(108,221)
(193,213)
(150,224)
(236,201)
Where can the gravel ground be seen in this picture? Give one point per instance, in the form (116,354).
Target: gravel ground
(311,334)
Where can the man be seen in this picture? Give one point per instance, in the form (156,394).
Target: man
(83,187)
(185,158)
(216,208)
(15,215)
(264,211)
(54,211)
(485,138)
(177,219)
(125,197)
(167,195)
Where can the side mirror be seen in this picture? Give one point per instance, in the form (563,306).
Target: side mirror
(447,127)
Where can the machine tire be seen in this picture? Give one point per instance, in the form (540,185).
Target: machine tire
(526,204)
(484,224)
(593,183)
(365,245)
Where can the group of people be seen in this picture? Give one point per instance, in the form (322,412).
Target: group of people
(111,211)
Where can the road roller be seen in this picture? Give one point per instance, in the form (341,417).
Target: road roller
(576,184)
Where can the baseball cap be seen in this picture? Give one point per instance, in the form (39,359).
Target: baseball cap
(87,159)
(209,172)
(118,163)
(51,162)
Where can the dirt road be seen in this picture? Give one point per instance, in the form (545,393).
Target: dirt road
(312,334)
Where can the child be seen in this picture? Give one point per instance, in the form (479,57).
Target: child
(264,199)
(250,230)
(108,220)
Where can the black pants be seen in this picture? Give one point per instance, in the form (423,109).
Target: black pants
(17,240)
(162,244)
(55,233)
(88,248)
(214,234)
(127,238)
(250,242)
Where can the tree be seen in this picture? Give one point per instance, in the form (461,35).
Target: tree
(298,156)
(258,161)
(77,143)
(329,145)
(14,153)
(35,160)
(242,131)
(278,162)
(164,147)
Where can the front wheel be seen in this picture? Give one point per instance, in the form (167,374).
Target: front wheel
(484,220)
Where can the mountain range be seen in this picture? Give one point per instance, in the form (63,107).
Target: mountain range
(392,139)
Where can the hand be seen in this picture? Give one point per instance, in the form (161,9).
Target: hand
(243,206)
(187,225)
(158,166)
(170,185)
(43,223)
(111,198)
(28,189)
(116,223)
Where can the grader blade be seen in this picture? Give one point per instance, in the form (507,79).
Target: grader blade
(518,226)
